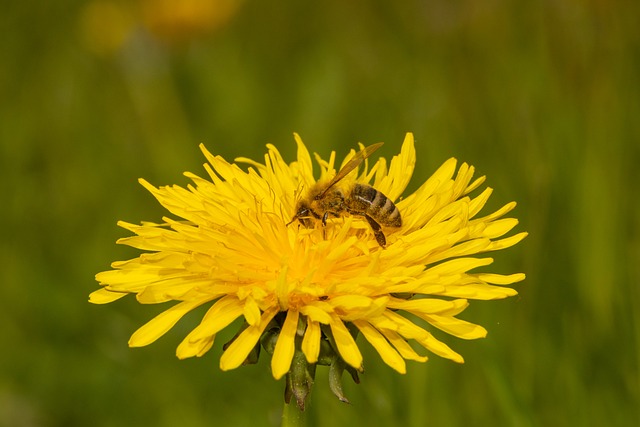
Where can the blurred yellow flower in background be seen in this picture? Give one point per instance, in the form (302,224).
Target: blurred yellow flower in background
(175,22)
(106,26)
(312,291)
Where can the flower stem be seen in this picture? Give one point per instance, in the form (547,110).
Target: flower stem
(292,416)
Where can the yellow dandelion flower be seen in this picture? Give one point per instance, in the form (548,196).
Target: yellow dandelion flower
(306,287)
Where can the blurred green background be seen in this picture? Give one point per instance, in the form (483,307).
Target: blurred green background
(542,97)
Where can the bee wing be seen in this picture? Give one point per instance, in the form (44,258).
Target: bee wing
(353,163)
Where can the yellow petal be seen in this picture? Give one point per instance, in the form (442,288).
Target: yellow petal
(437,347)
(311,341)
(218,317)
(104,296)
(499,228)
(456,327)
(318,312)
(475,184)
(478,202)
(350,302)
(251,311)
(497,214)
(463,249)
(240,348)
(346,344)
(388,354)
(190,347)
(285,347)
(409,330)
(402,346)
(305,164)
(461,182)
(500,279)
(400,170)
(478,291)
(170,290)
(421,305)
(459,265)
(508,242)
(159,325)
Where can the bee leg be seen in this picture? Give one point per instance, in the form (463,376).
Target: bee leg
(377,231)
(324,225)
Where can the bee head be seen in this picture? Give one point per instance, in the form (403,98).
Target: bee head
(304,214)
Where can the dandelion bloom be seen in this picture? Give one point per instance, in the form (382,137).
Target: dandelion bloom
(300,290)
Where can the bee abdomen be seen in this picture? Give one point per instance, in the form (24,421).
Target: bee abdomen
(367,199)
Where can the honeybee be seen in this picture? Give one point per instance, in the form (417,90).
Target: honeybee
(363,200)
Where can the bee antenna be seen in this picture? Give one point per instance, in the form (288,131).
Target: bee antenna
(296,198)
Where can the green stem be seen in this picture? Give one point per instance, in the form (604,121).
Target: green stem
(292,416)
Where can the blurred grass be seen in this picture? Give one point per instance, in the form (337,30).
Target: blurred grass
(542,97)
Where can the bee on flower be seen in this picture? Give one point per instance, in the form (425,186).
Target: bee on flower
(361,199)
(310,264)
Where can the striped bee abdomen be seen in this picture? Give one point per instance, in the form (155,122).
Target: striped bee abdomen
(367,200)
